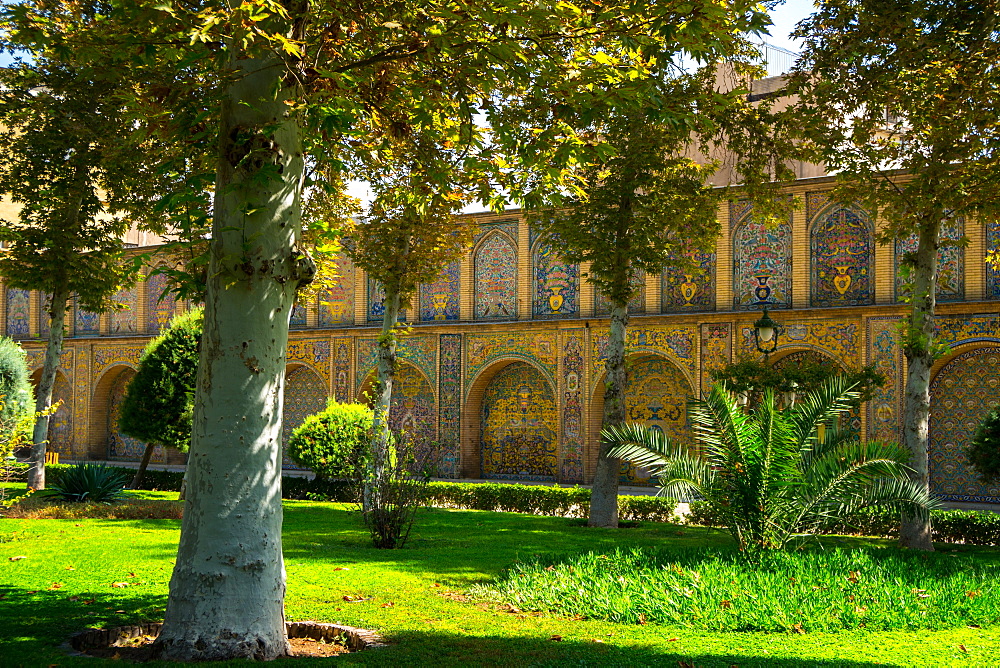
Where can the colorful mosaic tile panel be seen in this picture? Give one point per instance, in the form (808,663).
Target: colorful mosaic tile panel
(674,343)
(412,409)
(298,318)
(838,339)
(557,283)
(816,202)
(955,331)
(738,210)
(159,303)
(656,395)
(336,306)
(440,300)
(636,305)
(420,351)
(315,352)
(61,422)
(962,393)
(495,275)
(690,289)
(762,265)
(716,351)
(481,350)
(86,323)
(18,313)
(993,270)
(126,321)
(951,264)
(507,226)
(105,356)
(572,406)
(376,303)
(843,258)
(519,425)
(342,370)
(885,408)
(450,415)
(305,395)
(120,446)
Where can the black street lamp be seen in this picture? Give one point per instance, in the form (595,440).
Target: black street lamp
(765,332)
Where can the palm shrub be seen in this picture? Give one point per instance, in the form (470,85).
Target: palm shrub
(89,482)
(766,474)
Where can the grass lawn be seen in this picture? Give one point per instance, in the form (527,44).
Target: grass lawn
(416,596)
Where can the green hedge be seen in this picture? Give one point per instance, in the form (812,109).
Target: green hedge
(543,500)
(970,527)
(548,500)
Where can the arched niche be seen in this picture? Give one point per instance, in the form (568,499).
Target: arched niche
(60,433)
(495,277)
(807,356)
(842,244)
(439,300)
(106,409)
(762,264)
(305,395)
(964,389)
(160,304)
(555,282)
(515,413)
(413,408)
(656,395)
(950,263)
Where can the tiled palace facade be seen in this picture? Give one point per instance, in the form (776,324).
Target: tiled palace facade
(504,363)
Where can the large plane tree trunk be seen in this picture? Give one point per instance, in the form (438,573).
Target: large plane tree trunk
(228,585)
(915,530)
(604,492)
(43,397)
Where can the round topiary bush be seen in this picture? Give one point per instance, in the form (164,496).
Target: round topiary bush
(333,443)
(983,451)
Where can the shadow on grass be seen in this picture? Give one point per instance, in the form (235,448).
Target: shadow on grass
(443,649)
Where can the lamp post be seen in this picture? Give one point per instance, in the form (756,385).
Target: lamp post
(765,333)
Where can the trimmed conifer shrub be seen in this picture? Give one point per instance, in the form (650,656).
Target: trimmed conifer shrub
(15,387)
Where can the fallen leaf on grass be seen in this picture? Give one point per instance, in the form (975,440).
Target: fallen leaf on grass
(70,568)
(73,599)
(341,568)
(597,640)
(357,599)
(31,592)
(387,604)
(55,585)
(89,601)
(963,648)
(642,619)
(437,584)
(725,605)
(797,627)
(119,585)
(119,611)
(131,575)
(672,639)
(18,558)
(556,638)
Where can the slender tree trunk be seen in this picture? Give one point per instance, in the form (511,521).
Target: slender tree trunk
(915,530)
(228,586)
(604,492)
(147,454)
(385,376)
(43,400)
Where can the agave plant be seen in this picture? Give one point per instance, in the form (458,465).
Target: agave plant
(89,482)
(771,473)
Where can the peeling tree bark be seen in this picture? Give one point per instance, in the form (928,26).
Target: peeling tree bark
(228,585)
(43,399)
(604,492)
(915,530)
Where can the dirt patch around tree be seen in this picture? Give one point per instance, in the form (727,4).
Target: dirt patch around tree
(135,644)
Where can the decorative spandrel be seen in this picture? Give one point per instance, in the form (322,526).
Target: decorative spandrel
(762,264)
(690,287)
(495,275)
(843,258)
(18,313)
(520,425)
(440,300)
(556,283)
(950,263)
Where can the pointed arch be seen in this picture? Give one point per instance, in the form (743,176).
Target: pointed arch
(842,244)
(495,277)
(556,283)
(762,264)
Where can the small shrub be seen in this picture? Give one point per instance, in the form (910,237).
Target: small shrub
(983,451)
(393,497)
(95,483)
(332,442)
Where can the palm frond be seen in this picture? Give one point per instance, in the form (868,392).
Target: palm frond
(679,469)
(822,406)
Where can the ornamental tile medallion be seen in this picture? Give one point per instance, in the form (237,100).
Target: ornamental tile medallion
(691,288)
(556,283)
(336,305)
(420,351)
(18,313)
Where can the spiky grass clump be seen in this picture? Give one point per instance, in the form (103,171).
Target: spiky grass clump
(95,483)
(830,590)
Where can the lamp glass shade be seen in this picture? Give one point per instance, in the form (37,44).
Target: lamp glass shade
(765,333)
